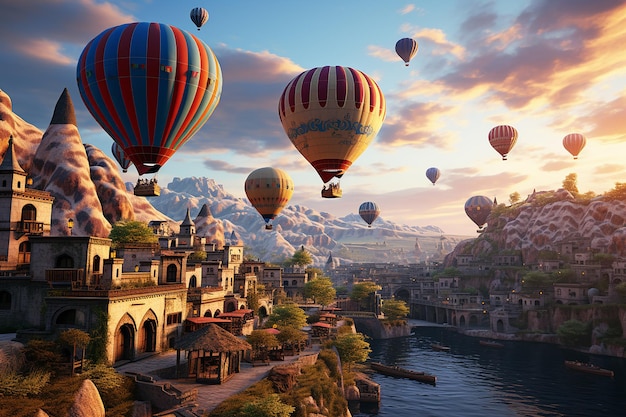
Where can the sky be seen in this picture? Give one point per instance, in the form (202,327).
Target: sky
(546,67)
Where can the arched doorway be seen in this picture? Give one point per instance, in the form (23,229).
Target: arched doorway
(124,339)
(147,336)
(500,326)
(462,321)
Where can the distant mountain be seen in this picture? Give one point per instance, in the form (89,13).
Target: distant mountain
(87,188)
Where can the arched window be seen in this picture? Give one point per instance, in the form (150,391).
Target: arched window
(23,255)
(64,261)
(67,317)
(208,313)
(192,282)
(29,213)
(171,273)
(96,263)
(294,282)
(5,300)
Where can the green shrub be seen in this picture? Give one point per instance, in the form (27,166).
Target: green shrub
(31,384)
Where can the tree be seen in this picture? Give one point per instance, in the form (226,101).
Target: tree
(131,231)
(287,315)
(569,183)
(300,258)
(363,292)
(75,338)
(352,348)
(574,333)
(395,309)
(291,336)
(514,197)
(321,290)
(262,341)
(269,406)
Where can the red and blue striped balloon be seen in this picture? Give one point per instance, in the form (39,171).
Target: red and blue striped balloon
(151,87)
(369,212)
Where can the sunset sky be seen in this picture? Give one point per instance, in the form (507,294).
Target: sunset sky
(546,67)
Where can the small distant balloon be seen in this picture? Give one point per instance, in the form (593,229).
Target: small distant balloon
(478,209)
(120,156)
(199,16)
(369,212)
(502,138)
(574,143)
(433,174)
(406,48)
(269,190)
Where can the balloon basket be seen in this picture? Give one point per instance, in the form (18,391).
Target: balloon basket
(333,191)
(147,188)
(268,227)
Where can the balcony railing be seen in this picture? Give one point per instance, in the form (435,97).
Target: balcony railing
(64,276)
(30,227)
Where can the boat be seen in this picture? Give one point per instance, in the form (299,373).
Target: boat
(403,373)
(589,368)
(491,343)
(440,348)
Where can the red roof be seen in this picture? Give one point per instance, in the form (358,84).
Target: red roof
(203,320)
(320,324)
(271,330)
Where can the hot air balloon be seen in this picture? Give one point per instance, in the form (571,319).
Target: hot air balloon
(269,190)
(503,138)
(406,48)
(433,174)
(574,143)
(199,16)
(331,115)
(120,156)
(150,86)
(369,212)
(478,209)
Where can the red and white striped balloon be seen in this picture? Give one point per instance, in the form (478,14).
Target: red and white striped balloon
(574,143)
(502,138)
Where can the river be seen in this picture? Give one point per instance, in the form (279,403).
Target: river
(521,379)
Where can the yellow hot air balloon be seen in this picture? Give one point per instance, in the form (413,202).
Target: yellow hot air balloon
(269,190)
(331,114)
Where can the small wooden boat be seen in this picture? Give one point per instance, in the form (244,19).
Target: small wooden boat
(440,348)
(589,368)
(403,373)
(491,343)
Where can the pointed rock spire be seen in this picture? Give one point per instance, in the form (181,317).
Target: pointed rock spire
(64,113)
(9,163)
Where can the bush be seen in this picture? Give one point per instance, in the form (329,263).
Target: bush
(16,385)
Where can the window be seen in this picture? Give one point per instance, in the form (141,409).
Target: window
(5,300)
(96,263)
(23,256)
(285,283)
(29,213)
(64,261)
(294,282)
(174,318)
(171,273)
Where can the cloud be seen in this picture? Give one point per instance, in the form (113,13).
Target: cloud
(407,9)
(607,120)
(609,169)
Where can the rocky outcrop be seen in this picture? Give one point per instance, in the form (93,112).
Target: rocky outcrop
(87,402)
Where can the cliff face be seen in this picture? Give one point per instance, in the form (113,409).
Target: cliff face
(546,220)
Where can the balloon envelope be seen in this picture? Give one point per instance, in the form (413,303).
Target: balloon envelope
(502,138)
(269,190)
(331,115)
(369,212)
(406,48)
(478,209)
(120,156)
(433,174)
(150,86)
(199,16)
(574,143)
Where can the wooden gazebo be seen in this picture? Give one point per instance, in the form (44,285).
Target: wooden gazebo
(213,354)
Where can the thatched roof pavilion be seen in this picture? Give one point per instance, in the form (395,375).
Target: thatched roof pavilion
(224,353)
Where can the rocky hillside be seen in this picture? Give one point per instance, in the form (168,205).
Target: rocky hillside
(87,187)
(548,218)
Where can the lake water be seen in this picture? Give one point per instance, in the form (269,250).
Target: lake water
(522,379)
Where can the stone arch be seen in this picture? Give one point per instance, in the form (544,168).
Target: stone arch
(171,273)
(124,340)
(230,306)
(462,321)
(146,340)
(263,312)
(69,317)
(29,213)
(500,326)
(403,294)
(208,313)
(96,263)
(193,282)
(217,313)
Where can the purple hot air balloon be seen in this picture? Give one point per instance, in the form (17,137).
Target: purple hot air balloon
(406,48)
(369,212)
(151,87)
(120,156)
(433,174)
(478,209)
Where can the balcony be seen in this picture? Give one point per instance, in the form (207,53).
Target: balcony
(64,277)
(29,227)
